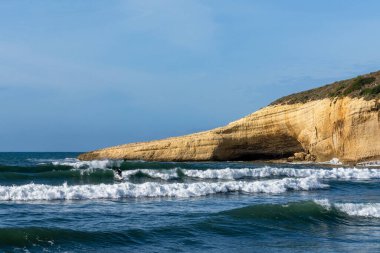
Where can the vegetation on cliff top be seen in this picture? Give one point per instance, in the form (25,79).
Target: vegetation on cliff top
(366,86)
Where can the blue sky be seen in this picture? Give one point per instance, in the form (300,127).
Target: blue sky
(77,75)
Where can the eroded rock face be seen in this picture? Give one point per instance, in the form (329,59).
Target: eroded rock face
(346,128)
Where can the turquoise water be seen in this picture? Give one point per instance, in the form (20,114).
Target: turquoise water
(51,202)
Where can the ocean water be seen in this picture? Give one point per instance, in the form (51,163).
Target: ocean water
(51,202)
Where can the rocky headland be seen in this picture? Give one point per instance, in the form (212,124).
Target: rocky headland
(339,120)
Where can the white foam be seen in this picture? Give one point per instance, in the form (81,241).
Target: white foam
(264,172)
(370,210)
(162,174)
(334,161)
(43,161)
(86,171)
(369,164)
(342,173)
(150,189)
(365,210)
(95,164)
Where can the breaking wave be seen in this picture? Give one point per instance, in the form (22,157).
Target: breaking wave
(334,161)
(151,189)
(43,165)
(265,172)
(95,164)
(371,210)
(306,211)
(174,171)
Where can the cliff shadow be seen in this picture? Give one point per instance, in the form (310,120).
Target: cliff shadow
(258,148)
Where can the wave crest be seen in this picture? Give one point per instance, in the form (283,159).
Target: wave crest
(371,210)
(152,189)
(321,209)
(264,172)
(95,164)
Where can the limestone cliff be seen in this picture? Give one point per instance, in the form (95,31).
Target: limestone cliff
(346,127)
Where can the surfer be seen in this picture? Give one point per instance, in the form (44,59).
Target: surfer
(118,173)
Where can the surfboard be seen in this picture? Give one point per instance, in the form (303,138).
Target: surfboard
(117,177)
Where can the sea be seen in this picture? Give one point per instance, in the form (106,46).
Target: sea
(52,202)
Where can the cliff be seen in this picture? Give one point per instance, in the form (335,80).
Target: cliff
(339,120)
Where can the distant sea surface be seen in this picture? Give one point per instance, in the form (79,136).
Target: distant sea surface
(52,202)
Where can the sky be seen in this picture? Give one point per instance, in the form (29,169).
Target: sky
(78,75)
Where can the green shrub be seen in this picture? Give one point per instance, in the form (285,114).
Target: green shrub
(365,92)
(361,86)
(375,90)
(364,80)
(371,91)
(337,91)
(358,84)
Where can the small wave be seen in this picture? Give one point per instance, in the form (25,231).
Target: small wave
(33,169)
(265,172)
(371,210)
(152,189)
(95,164)
(47,160)
(290,212)
(321,210)
(44,165)
(59,176)
(370,164)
